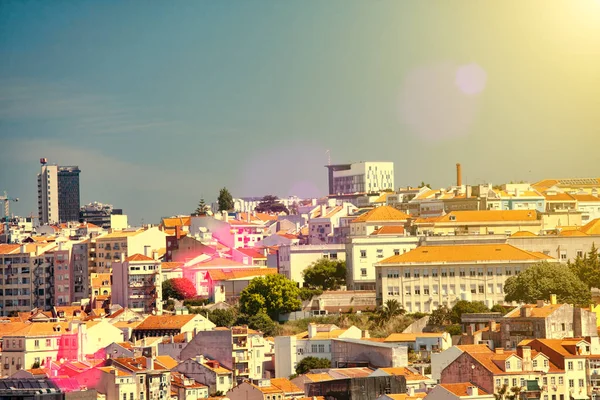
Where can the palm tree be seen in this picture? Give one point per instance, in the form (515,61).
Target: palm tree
(391,309)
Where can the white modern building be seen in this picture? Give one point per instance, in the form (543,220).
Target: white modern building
(293,260)
(58,193)
(361,177)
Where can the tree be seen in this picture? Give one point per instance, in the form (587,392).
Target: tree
(463,306)
(308,363)
(178,288)
(423,184)
(225,200)
(440,316)
(539,281)
(391,309)
(325,274)
(294,208)
(271,204)
(225,318)
(587,268)
(262,322)
(273,294)
(202,208)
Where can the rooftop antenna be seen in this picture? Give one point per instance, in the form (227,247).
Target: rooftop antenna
(328,157)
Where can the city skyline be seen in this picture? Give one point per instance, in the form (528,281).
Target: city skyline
(153,100)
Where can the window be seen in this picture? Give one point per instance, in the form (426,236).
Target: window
(507,367)
(508,272)
(561,380)
(321,348)
(407,290)
(48,342)
(426,290)
(363,272)
(498,381)
(534,363)
(390,290)
(514,381)
(490,272)
(407,273)
(471,271)
(141,380)
(363,254)
(545,363)
(396,252)
(522,381)
(461,272)
(490,287)
(417,290)
(473,289)
(221,380)
(570,365)
(416,273)
(579,253)
(444,273)
(571,383)
(581,383)
(451,272)
(481,289)
(519,365)
(36,343)
(426,273)
(563,254)
(434,273)
(124,396)
(553,380)
(131,396)
(313,348)
(545,380)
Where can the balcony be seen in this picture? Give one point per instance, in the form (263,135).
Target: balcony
(240,331)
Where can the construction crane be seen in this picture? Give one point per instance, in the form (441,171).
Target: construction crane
(7,201)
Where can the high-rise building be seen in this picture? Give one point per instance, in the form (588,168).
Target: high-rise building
(58,193)
(362,177)
(102,215)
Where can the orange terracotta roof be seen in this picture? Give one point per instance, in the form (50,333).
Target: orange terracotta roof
(250,252)
(7,328)
(44,329)
(224,275)
(465,253)
(285,385)
(99,278)
(406,396)
(461,389)
(592,227)
(562,197)
(118,235)
(335,333)
(176,221)
(170,265)
(405,372)
(167,361)
(135,364)
(382,213)
(536,312)
(411,337)
(165,322)
(318,377)
(139,257)
(489,216)
(572,233)
(9,248)
(523,234)
(118,372)
(389,230)
(585,197)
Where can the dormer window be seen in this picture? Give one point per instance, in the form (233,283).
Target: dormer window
(507,365)
(518,364)
(545,363)
(453,218)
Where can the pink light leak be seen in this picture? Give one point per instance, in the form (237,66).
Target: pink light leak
(471,78)
(433,107)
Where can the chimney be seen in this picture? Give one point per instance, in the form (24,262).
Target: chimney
(470,330)
(526,350)
(525,311)
(366,334)
(60,246)
(177,232)
(23,248)
(552,299)
(323,210)
(540,303)
(499,350)
(146,250)
(312,330)
(149,363)
(472,391)
(469,191)
(122,258)
(410,391)
(458,175)
(225,216)
(492,326)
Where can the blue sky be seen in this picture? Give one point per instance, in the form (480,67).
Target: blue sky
(160,103)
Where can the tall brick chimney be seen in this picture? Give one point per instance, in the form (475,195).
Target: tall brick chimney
(458,175)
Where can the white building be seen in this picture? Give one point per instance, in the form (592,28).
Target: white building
(363,252)
(293,260)
(316,342)
(48,194)
(458,391)
(111,246)
(430,276)
(361,177)
(137,284)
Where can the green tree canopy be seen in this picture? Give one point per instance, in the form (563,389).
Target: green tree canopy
(271,204)
(463,306)
(224,318)
(587,268)
(262,322)
(325,274)
(441,316)
(225,200)
(273,294)
(391,309)
(308,363)
(539,281)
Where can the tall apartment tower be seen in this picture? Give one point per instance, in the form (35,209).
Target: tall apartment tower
(58,193)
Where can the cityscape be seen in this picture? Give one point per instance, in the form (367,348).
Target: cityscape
(266,200)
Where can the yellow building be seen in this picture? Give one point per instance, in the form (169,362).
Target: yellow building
(369,222)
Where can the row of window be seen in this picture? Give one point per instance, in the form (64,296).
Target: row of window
(445,289)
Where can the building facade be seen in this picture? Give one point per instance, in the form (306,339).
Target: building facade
(361,177)
(58,193)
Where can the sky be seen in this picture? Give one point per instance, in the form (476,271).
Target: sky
(162,103)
